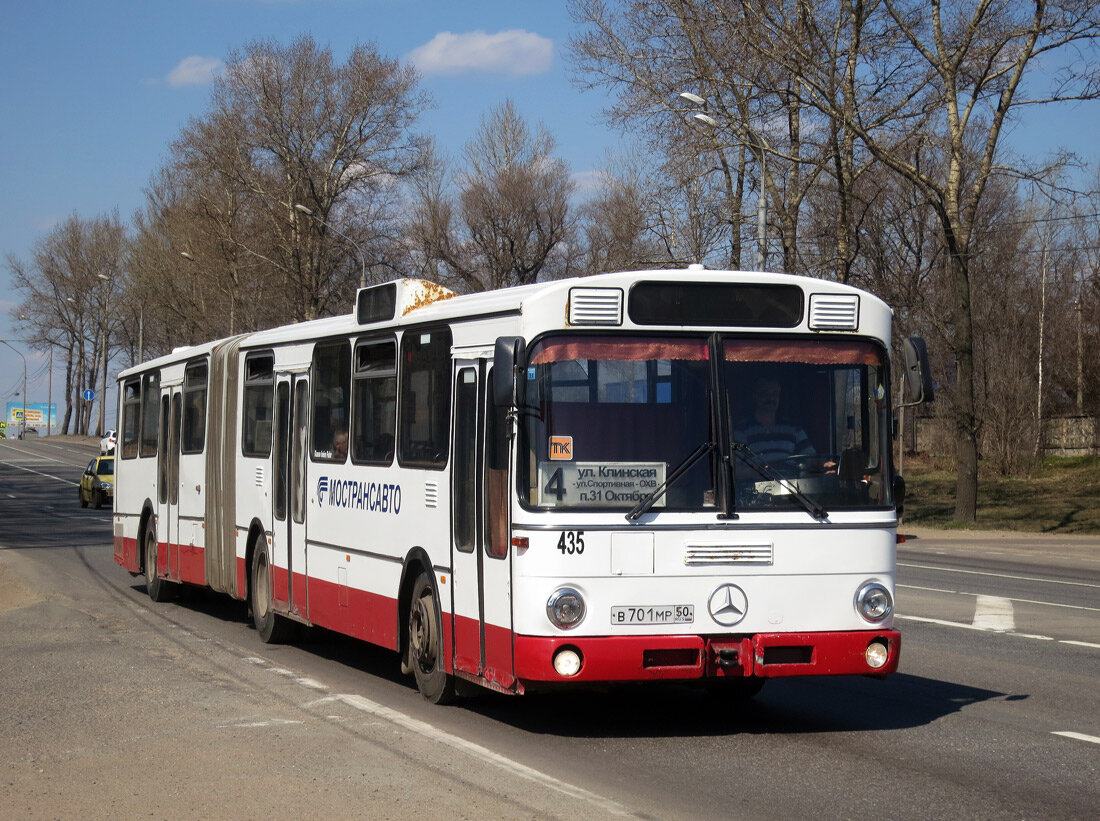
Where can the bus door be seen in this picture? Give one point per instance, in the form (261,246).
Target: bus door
(296,525)
(280,496)
(168,480)
(289,492)
(480,560)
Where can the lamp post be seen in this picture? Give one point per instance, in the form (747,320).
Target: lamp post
(358,251)
(762,203)
(103,383)
(24,428)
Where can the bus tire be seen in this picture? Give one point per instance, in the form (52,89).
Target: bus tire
(158,589)
(425,650)
(271,626)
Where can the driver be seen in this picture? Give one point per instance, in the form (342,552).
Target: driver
(765,435)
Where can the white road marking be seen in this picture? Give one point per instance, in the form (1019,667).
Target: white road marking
(997,575)
(964,626)
(1017,601)
(994,613)
(271,722)
(606,806)
(1079,736)
(39,473)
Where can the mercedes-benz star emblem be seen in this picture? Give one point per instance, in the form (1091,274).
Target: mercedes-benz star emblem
(728,605)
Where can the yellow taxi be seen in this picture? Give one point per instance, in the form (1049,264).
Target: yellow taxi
(98,482)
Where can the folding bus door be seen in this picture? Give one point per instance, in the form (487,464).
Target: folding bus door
(288,538)
(480,561)
(168,483)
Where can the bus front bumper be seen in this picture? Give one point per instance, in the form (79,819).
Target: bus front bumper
(764,655)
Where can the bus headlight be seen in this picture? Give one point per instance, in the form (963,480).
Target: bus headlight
(873,602)
(565,608)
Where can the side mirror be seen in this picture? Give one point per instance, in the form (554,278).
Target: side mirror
(508,381)
(917,377)
(899,494)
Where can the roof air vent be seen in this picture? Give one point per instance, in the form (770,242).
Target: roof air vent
(834,312)
(595,306)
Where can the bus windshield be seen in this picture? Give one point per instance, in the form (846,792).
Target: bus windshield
(612,422)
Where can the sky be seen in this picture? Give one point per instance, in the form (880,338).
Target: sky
(92,92)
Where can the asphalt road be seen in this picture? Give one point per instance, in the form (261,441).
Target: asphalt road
(113,706)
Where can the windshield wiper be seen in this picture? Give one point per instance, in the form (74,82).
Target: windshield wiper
(651,498)
(768,472)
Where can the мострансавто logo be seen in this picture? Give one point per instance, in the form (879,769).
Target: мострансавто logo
(350,494)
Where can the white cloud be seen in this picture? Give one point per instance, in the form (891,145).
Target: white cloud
(514,51)
(194,71)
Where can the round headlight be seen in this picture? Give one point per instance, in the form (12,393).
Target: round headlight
(567,662)
(877,654)
(565,608)
(873,602)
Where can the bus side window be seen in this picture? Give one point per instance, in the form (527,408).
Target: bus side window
(331,381)
(131,418)
(194,407)
(259,391)
(150,414)
(374,403)
(425,398)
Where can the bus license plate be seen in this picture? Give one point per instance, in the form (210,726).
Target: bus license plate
(659,614)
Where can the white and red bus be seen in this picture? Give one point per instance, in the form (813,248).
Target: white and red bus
(678,475)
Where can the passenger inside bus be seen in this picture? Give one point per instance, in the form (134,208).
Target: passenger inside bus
(771,439)
(340,444)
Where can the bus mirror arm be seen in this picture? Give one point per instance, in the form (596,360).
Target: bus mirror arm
(508,381)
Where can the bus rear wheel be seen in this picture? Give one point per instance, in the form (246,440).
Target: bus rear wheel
(426,643)
(272,627)
(158,589)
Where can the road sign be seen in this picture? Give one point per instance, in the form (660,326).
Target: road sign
(88,394)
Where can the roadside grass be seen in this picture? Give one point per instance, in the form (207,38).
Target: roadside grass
(1062,495)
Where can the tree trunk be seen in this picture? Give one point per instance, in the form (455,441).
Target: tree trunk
(966,419)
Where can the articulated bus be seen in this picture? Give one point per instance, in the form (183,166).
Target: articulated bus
(656,475)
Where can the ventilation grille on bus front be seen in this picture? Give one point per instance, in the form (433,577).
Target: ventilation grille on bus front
(711,554)
(834,312)
(595,306)
(431,494)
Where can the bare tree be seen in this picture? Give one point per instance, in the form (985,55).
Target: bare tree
(616,224)
(289,126)
(69,288)
(509,223)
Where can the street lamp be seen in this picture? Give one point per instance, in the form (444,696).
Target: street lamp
(103,384)
(762,203)
(358,251)
(4,341)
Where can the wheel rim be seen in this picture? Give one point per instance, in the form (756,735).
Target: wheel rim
(150,558)
(262,587)
(422,634)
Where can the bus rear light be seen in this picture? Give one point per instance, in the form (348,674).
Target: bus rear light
(878,653)
(521,543)
(568,662)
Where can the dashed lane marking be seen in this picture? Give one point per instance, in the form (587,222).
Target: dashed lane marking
(1078,736)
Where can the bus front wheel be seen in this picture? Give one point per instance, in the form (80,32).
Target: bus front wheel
(426,643)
